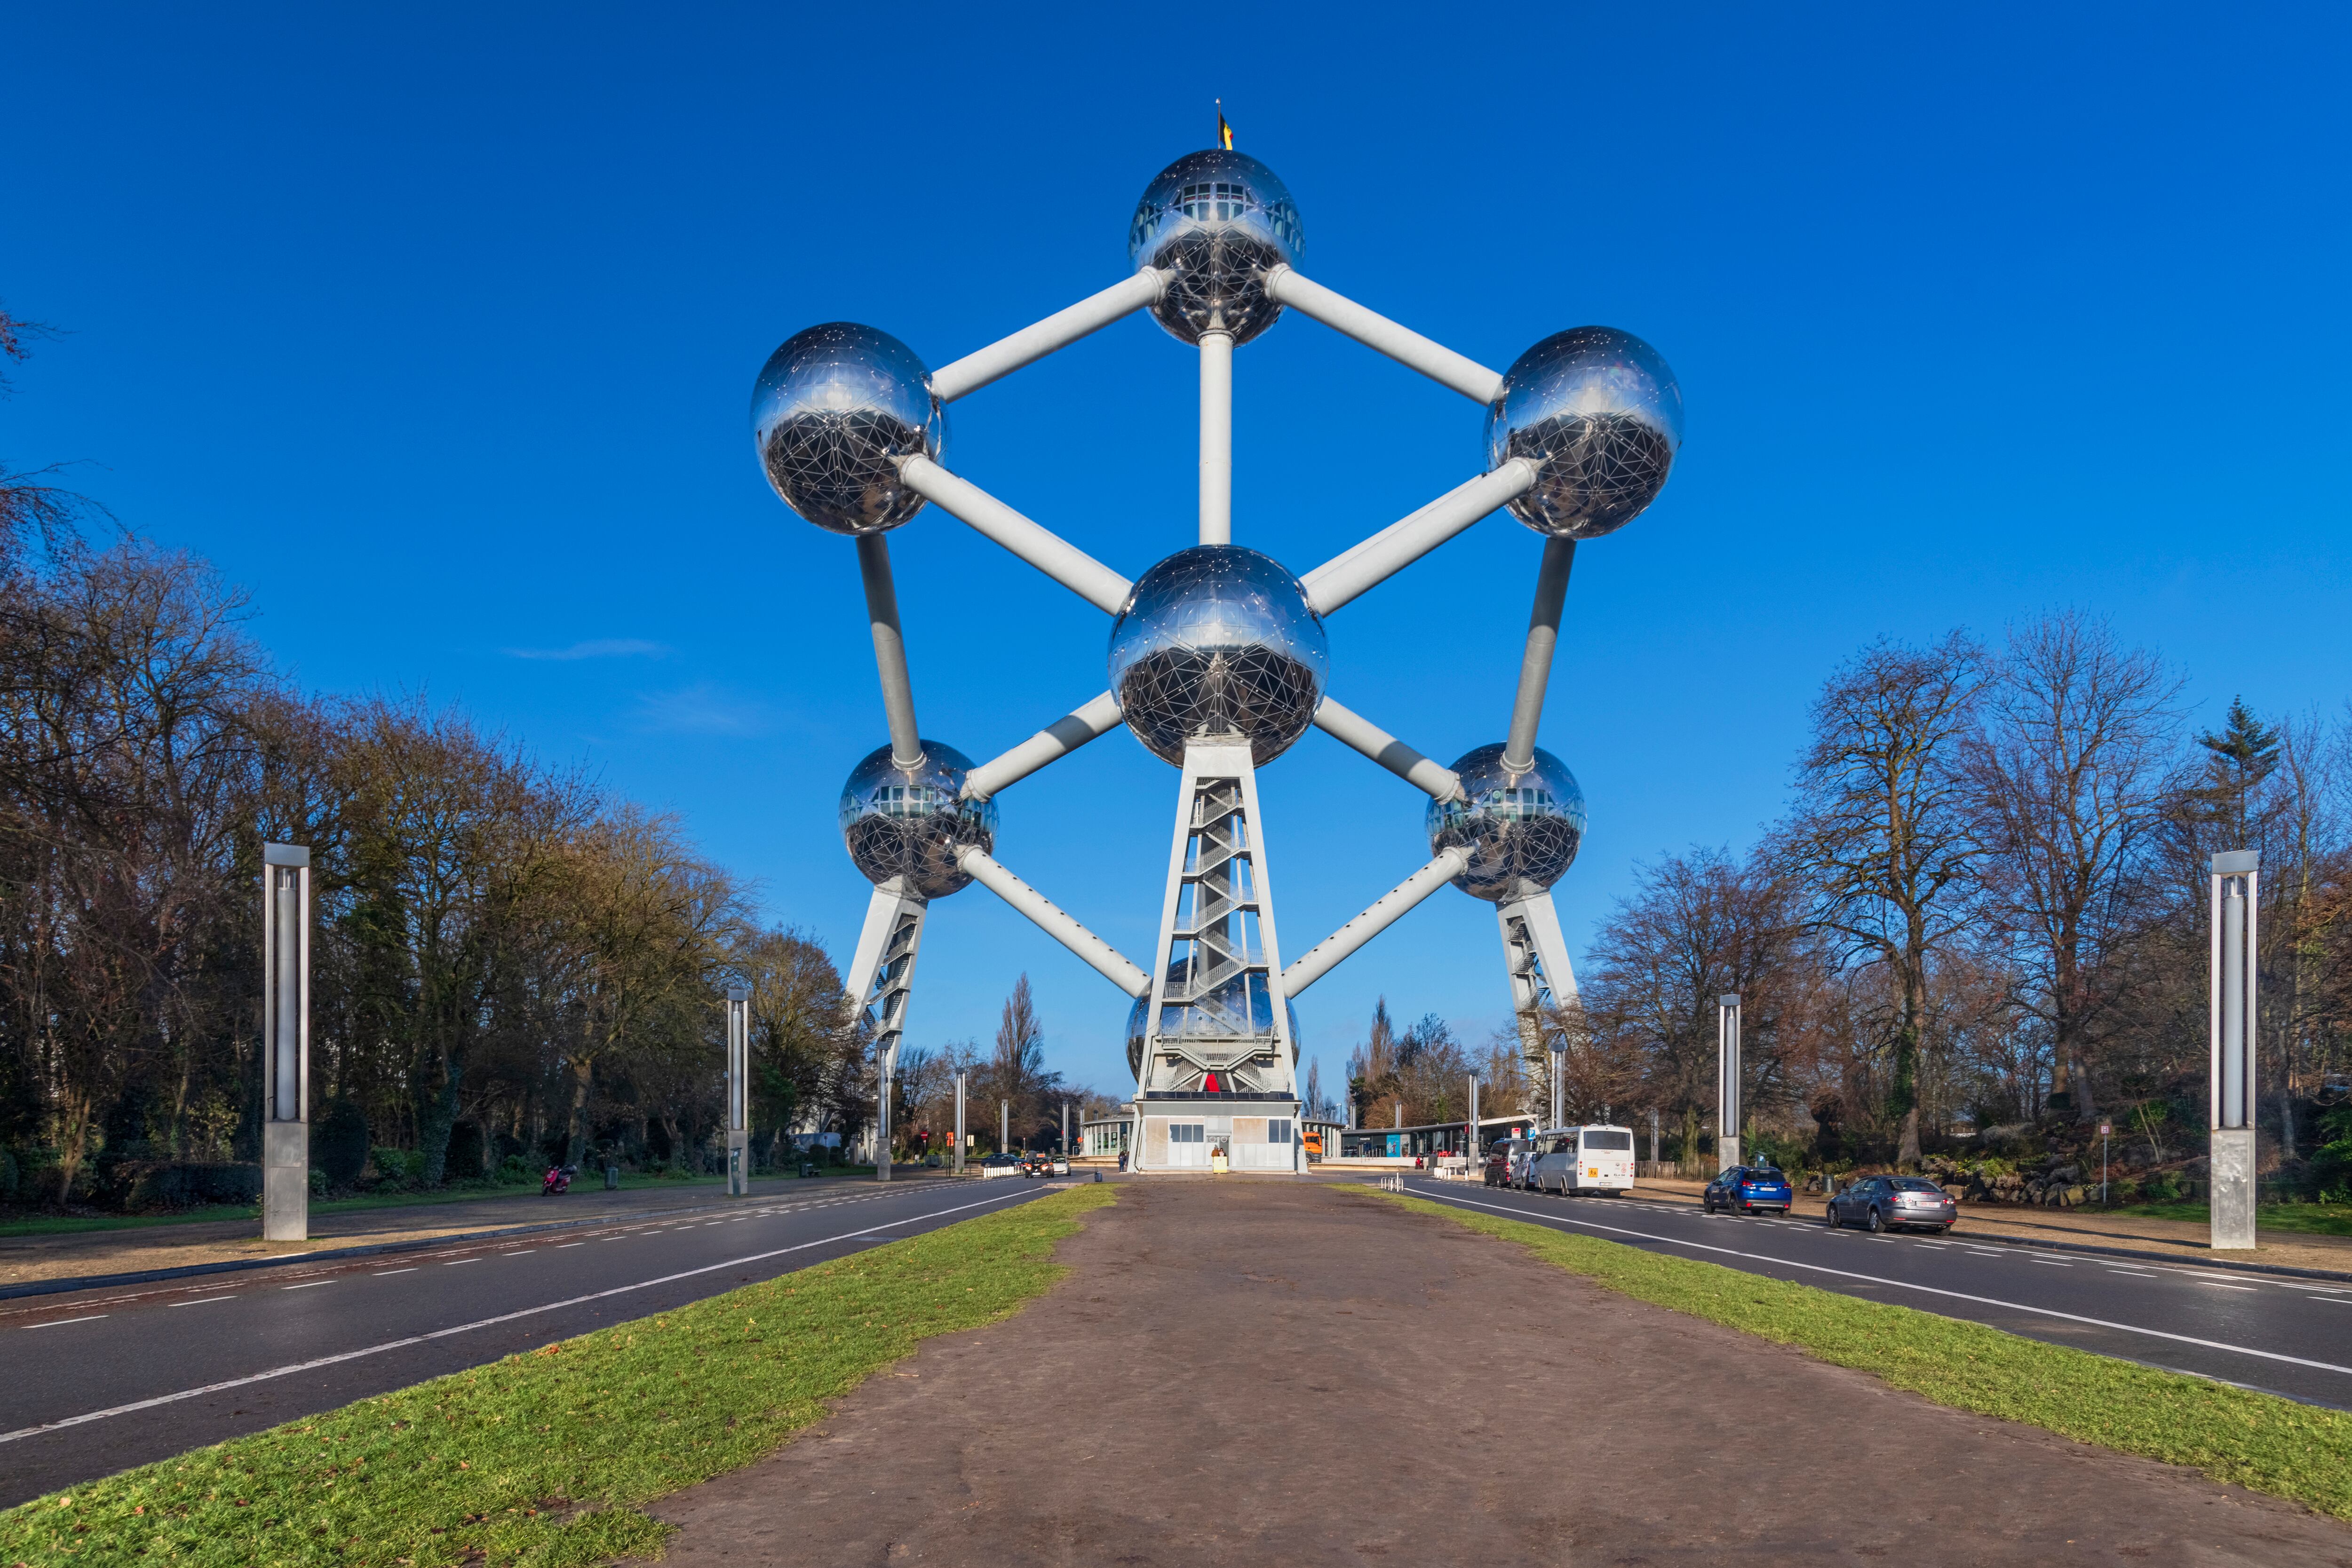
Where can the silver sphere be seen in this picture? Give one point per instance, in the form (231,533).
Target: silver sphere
(1521,830)
(1212,1019)
(830,412)
(1219,221)
(914,823)
(1216,643)
(1602,413)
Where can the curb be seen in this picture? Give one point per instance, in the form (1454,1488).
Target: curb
(239,1265)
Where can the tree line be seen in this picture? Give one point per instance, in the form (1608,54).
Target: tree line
(1982,916)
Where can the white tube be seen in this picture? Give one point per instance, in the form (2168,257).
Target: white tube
(1402,344)
(1216,438)
(1055,741)
(1351,728)
(1108,961)
(889,649)
(1060,330)
(1535,660)
(1066,564)
(1324,956)
(1398,546)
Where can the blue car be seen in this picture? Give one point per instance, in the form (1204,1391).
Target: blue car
(1749,1189)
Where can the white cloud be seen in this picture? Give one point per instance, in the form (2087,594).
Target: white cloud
(597,648)
(702,709)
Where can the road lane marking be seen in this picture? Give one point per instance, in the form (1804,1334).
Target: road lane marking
(2050,1262)
(1929,1290)
(207,1302)
(93,1317)
(580,1243)
(427,1338)
(2137,1273)
(312,1286)
(2218,1286)
(454,1262)
(388,1273)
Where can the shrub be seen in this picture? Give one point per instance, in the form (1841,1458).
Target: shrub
(338,1146)
(464,1161)
(185,1184)
(514,1168)
(2161,1187)
(397,1167)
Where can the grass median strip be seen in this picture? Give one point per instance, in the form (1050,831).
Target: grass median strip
(542,1460)
(2259,1441)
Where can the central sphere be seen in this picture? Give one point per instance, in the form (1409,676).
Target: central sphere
(833,408)
(1521,830)
(1219,221)
(1601,411)
(1216,1017)
(913,823)
(1217,643)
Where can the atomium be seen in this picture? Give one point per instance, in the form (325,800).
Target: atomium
(833,412)
(1520,828)
(913,823)
(1218,221)
(1217,642)
(1219,1016)
(1600,411)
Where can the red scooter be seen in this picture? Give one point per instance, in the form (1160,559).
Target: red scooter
(559,1180)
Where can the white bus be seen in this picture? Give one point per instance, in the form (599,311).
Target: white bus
(1598,1158)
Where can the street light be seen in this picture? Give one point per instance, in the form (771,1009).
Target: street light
(1558,1071)
(1726,1073)
(286,1042)
(2231,1076)
(739,1092)
(960,1082)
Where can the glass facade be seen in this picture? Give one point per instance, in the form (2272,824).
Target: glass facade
(1521,830)
(1219,221)
(1601,413)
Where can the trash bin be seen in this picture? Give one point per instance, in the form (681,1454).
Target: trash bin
(612,1178)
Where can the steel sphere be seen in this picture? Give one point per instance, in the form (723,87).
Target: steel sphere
(1217,642)
(1209,1020)
(1218,221)
(1520,830)
(914,823)
(1601,411)
(832,410)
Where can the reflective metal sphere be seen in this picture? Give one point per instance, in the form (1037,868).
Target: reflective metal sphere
(831,409)
(1201,1021)
(1218,220)
(1520,831)
(913,823)
(1216,643)
(1600,411)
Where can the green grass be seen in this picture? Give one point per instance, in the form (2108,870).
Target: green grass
(2255,1440)
(2296,1218)
(71,1224)
(543,1459)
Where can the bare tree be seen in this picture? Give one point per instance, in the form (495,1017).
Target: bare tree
(1881,832)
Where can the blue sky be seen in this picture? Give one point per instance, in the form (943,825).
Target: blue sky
(435,328)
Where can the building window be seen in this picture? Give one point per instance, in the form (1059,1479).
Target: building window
(1187,1132)
(1278,1130)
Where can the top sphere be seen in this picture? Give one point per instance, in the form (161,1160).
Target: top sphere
(1219,221)
(913,823)
(1601,411)
(1215,643)
(831,410)
(1521,830)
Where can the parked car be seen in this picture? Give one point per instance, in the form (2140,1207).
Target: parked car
(1001,1165)
(1749,1189)
(1894,1203)
(1506,1162)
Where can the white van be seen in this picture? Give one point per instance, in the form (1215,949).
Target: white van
(1598,1158)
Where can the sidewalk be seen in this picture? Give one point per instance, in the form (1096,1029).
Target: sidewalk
(1294,1373)
(2084,1228)
(79,1254)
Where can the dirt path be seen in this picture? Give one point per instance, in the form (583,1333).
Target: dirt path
(2088,1227)
(1272,1373)
(24,1259)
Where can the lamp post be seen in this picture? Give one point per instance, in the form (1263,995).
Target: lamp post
(738,1091)
(286,1042)
(1472,1150)
(2231,1076)
(1727,1070)
(1004,1126)
(959,1080)
(1558,1089)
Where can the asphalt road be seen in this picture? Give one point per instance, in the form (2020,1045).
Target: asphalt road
(2282,1335)
(97,1381)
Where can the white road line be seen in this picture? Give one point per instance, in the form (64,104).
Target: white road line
(95,1316)
(454,1262)
(2136,1273)
(2346,1300)
(207,1302)
(2218,1286)
(388,1273)
(312,1286)
(580,1243)
(479,1323)
(2050,1262)
(523,1252)
(1929,1290)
